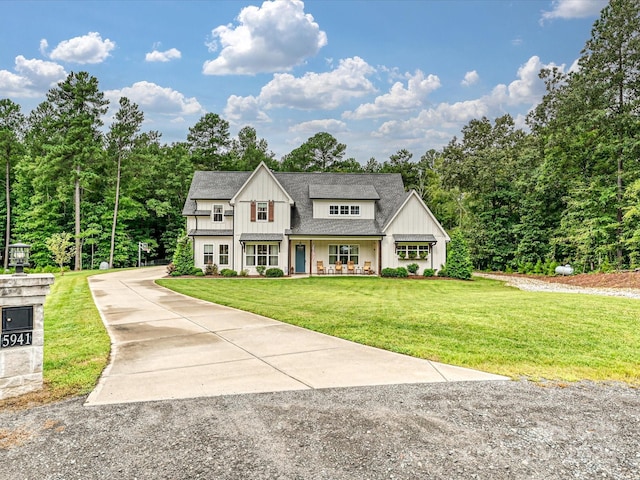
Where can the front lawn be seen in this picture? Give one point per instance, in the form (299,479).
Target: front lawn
(479,324)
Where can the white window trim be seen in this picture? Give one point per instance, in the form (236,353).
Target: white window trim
(214,213)
(349,207)
(266,212)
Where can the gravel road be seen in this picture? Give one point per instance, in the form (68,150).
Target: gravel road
(493,430)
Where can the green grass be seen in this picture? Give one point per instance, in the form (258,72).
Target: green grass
(480,324)
(76,344)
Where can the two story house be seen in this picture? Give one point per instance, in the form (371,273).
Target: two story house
(292,221)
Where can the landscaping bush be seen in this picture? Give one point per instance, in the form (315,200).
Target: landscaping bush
(260,269)
(196,271)
(244,273)
(183,256)
(389,272)
(458,259)
(429,272)
(412,268)
(211,269)
(402,272)
(199,273)
(171,268)
(274,272)
(227,272)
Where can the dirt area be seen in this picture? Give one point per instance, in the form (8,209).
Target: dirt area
(589,280)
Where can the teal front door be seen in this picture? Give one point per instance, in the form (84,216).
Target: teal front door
(300,259)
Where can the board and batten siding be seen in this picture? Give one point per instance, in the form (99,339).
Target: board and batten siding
(321,208)
(198,250)
(414,219)
(262,188)
(207,223)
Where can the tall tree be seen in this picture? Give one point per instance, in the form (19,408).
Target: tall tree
(609,72)
(209,142)
(78,105)
(121,140)
(11,122)
(247,151)
(317,154)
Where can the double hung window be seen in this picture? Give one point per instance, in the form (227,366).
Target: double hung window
(262,209)
(344,253)
(261,254)
(216,213)
(208,254)
(224,255)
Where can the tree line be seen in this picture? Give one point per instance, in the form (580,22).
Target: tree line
(566,189)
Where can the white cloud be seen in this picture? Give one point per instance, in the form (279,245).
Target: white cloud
(166,56)
(245,109)
(312,91)
(323,91)
(156,99)
(447,118)
(33,78)
(276,36)
(528,88)
(90,48)
(399,99)
(330,125)
(470,78)
(573,9)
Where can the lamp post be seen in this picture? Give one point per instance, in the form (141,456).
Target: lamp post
(19,257)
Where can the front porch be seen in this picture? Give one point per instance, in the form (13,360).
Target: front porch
(335,256)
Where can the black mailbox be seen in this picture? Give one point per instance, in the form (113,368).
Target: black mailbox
(16,319)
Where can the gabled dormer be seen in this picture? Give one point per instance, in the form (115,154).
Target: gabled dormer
(343,201)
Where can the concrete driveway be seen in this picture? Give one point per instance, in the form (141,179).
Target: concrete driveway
(166,345)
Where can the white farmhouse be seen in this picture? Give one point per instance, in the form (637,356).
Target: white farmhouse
(307,222)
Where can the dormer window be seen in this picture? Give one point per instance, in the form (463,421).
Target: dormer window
(344,210)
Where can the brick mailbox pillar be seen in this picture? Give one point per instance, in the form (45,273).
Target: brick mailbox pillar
(22,332)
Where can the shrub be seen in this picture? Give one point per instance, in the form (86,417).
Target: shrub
(458,259)
(402,272)
(183,256)
(171,268)
(429,272)
(211,269)
(443,271)
(196,271)
(244,273)
(175,274)
(227,272)
(199,273)
(413,268)
(274,272)
(389,272)
(260,269)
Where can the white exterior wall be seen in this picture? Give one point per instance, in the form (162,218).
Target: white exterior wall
(262,188)
(198,250)
(207,223)
(320,251)
(321,208)
(414,219)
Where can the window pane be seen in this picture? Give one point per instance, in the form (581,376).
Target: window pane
(355,210)
(208,248)
(262,210)
(250,249)
(333,210)
(344,209)
(250,260)
(333,249)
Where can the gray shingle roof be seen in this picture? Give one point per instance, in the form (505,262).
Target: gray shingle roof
(210,233)
(387,186)
(213,185)
(427,238)
(343,192)
(261,237)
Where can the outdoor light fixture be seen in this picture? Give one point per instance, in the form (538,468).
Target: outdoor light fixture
(19,257)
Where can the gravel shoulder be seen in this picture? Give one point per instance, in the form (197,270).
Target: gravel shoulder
(493,430)
(560,285)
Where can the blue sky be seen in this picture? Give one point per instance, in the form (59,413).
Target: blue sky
(378,75)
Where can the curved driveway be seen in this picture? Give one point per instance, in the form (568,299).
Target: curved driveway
(166,345)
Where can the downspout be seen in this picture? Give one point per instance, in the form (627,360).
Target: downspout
(310,258)
(379,257)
